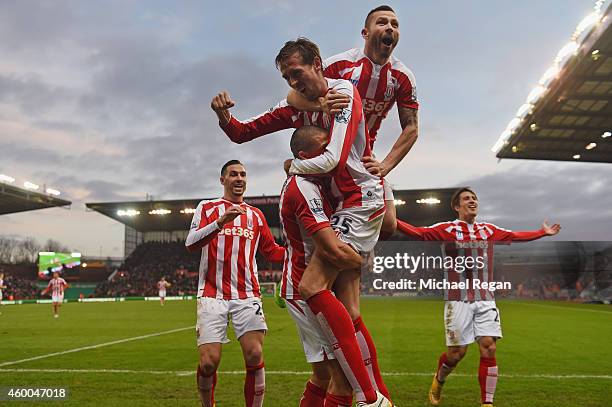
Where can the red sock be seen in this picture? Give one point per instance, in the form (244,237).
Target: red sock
(338,401)
(444,368)
(254,385)
(487,377)
(313,396)
(206,383)
(338,327)
(370,358)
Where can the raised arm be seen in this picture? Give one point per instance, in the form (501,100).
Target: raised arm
(273,120)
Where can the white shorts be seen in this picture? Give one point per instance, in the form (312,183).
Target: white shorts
(389,191)
(57,298)
(162,294)
(465,322)
(359,226)
(213,316)
(316,346)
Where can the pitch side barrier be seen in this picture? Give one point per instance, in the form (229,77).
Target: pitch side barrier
(114,299)
(265,293)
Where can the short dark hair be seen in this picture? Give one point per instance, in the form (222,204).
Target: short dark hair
(227,164)
(301,139)
(379,8)
(457,194)
(307,49)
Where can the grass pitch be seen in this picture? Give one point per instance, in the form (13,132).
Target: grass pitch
(552,354)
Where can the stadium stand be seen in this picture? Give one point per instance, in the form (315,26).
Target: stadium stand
(150,261)
(19,289)
(568,115)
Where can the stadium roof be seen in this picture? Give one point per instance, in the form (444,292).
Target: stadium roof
(568,116)
(171,215)
(14,199)
(168,215)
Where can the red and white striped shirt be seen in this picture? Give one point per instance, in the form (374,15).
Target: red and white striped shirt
(228,269)
(161,286)
(380,86)
(466,240)
(303,211)
(352,184)
(57,285)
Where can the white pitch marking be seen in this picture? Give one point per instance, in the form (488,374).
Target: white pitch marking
(568,308)
(292,373)
(100,345)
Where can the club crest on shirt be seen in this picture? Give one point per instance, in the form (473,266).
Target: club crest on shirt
(391,84)
(316,206)
(250,223)
(344,116)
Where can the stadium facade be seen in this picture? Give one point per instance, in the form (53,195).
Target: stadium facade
(168,220)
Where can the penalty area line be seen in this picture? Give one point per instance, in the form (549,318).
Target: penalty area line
(100,345)
(293,373)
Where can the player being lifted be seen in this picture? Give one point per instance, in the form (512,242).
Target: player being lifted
(358,216)
(228,232)
(305,210)
(471,315)
(56,285)
(161,287)
(382,80)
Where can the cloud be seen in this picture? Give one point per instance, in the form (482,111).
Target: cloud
(110,101)
(576,196)
(140,113)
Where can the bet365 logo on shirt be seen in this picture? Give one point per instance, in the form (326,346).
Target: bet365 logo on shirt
(237,231)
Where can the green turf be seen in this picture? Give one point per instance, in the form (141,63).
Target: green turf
(540,339)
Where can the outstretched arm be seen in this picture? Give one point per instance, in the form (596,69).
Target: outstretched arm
(525,236)
(434,232)
(546,230)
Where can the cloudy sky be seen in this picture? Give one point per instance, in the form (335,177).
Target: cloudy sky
(109,101)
